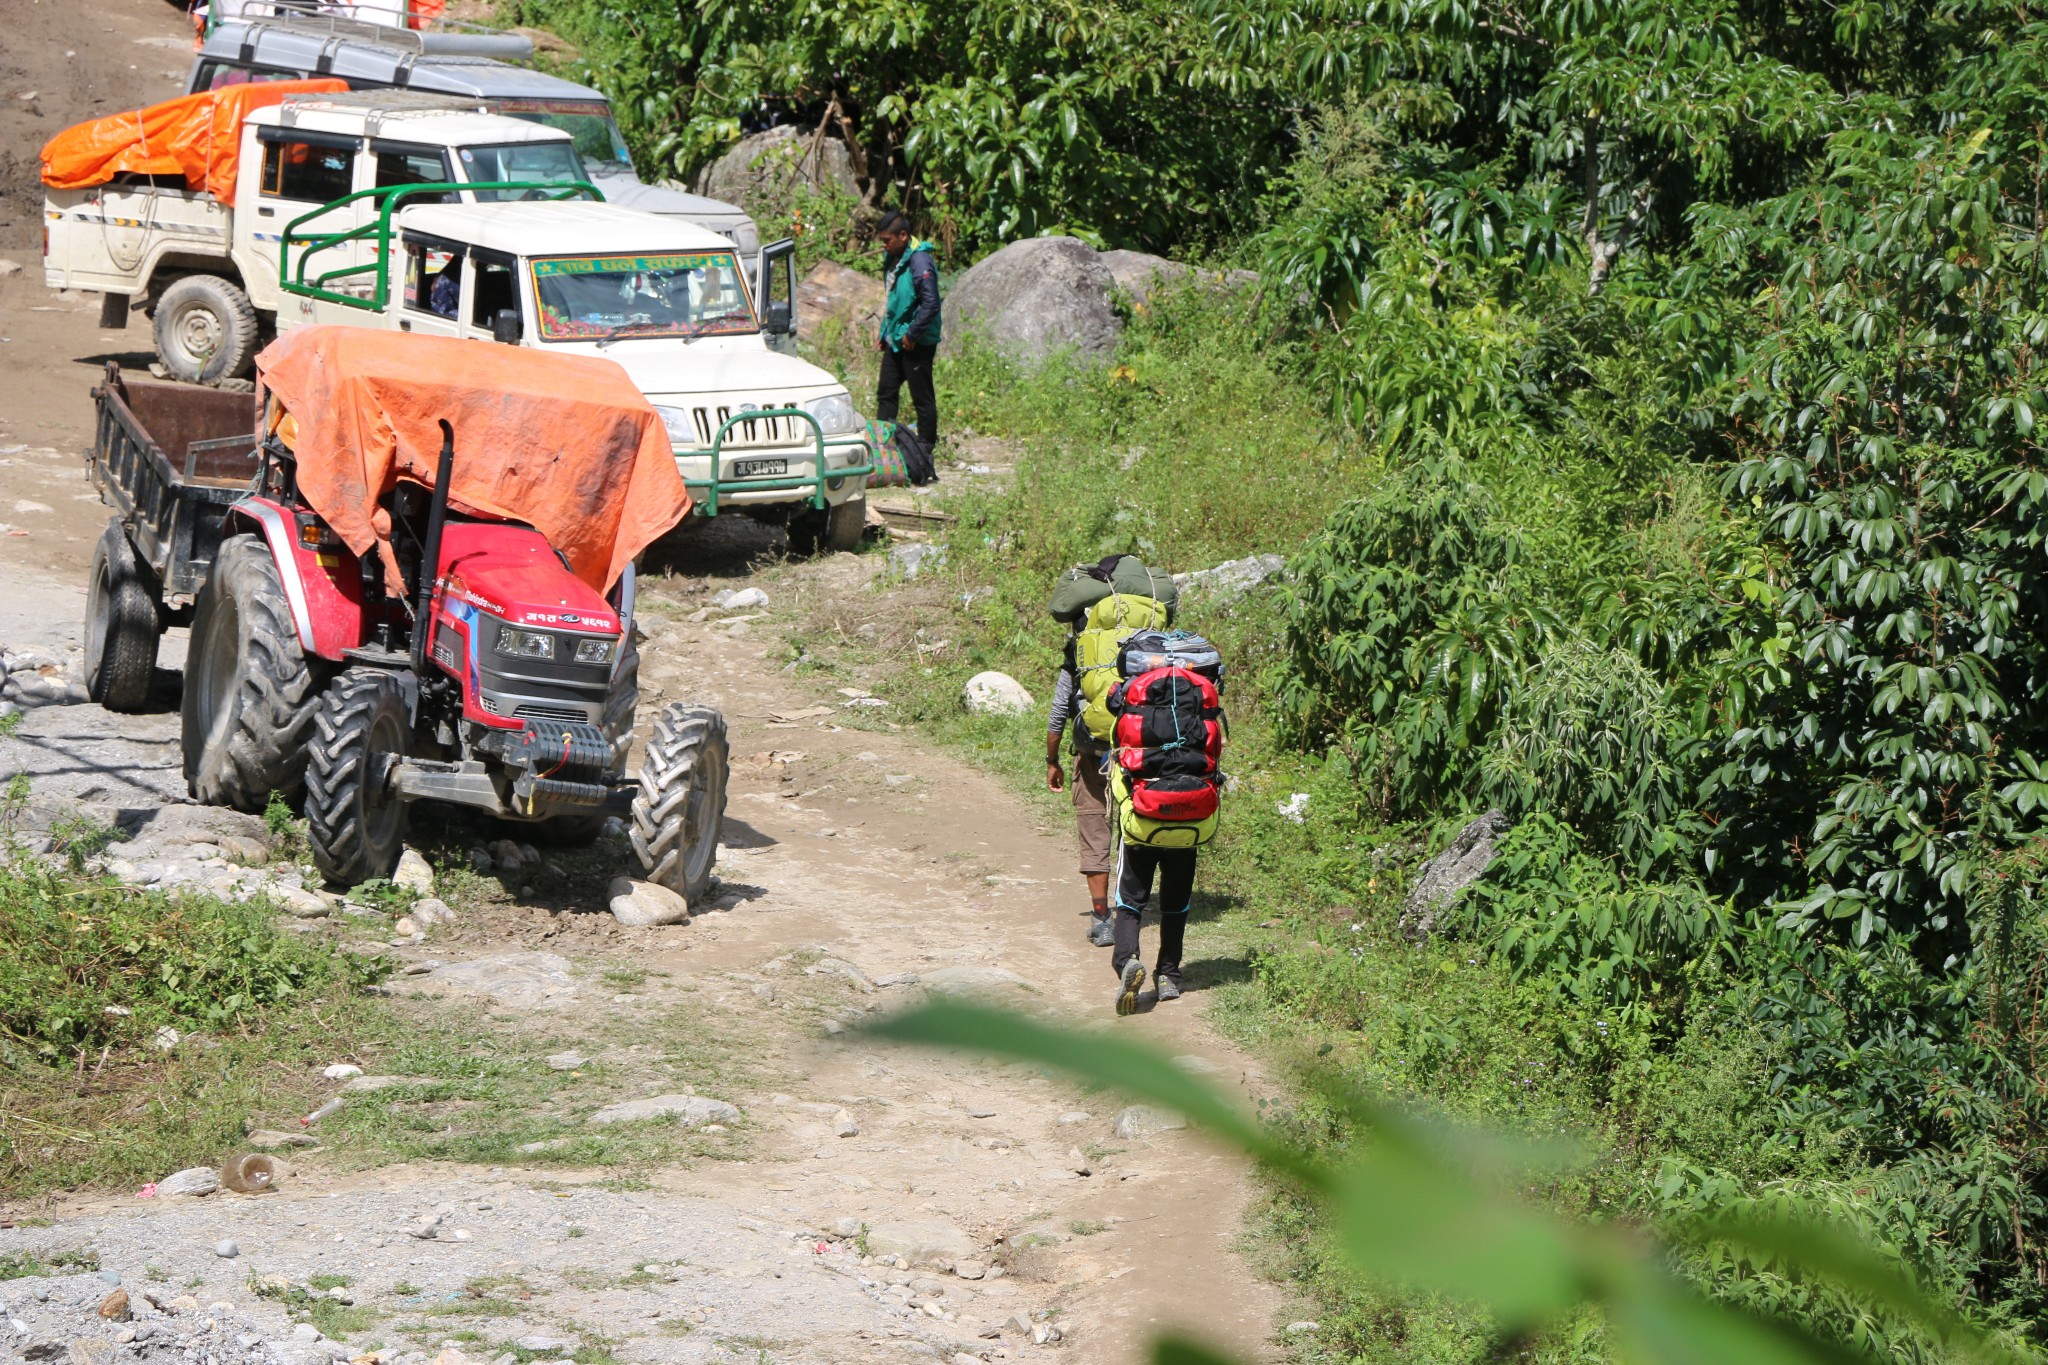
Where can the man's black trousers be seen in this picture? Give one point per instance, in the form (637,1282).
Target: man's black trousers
(915,369)
(1135,866)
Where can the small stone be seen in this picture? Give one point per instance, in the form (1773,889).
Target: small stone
(971,1270)
(306,1331)
(739,599)
(480,861)
(414,873)
(639,904)
(1143,1121)
(1078,1162)
(342,1071)
(167,1038)
(962,1358)
(545,1342)
(1073,1116)
(432,911)
(980,1111)
(845,1125)
(114,1307)
(426,1226)
(833,1028)
(566,1061)
(300,903)
(1044,1334)
(86,1351)
(1297,1328)
(226,1249)
(196,1182)
(995,694)
(406,926)
(766,990)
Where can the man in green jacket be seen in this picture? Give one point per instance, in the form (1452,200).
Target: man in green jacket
(910,326)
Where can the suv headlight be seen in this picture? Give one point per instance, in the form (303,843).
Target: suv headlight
(835,414)
(682,431)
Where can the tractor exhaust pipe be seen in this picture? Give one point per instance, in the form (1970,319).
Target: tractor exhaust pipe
(430,568)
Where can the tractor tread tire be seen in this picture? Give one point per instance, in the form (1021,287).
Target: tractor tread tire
(262,748)
(122,625)
(680,806)
(345,847)
(238,328)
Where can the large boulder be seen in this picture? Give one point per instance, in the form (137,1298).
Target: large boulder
(1138,273)
(1446,876)
(1034,298)
(832,290)
(763,169)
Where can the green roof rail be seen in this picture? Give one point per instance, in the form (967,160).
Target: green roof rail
(391,197)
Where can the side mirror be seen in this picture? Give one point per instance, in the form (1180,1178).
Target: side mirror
(780,322)
(505,326)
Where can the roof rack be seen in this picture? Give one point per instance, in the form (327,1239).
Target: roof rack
(447,38)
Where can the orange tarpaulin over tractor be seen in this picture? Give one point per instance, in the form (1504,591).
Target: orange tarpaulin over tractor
(196,136)
(564,443)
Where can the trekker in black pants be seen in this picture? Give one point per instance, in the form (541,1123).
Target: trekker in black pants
(1135,866)
(910,327)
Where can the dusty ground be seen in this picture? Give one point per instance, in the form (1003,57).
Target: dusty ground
(847,842)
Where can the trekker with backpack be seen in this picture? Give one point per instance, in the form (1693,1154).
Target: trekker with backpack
(1165,794)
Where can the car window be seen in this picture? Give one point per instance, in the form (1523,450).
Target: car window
(301,170)
(433,280)
(497,288)
(549,163)
(218,75)
(414,168)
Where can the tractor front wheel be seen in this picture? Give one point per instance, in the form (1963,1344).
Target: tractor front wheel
(680,806)
(355,820)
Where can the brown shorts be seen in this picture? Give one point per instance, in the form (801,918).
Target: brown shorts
(1091,810)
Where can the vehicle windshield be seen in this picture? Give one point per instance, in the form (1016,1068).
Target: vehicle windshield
(589,122)
(551,163)
(594,298)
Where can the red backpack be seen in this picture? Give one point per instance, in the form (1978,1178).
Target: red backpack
(1169,737)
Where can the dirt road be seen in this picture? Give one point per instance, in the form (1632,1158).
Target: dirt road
(862,870)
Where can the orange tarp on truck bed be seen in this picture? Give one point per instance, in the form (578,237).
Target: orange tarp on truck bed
(196,136)
(564,443)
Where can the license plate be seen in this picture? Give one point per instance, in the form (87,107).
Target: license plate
(754,469)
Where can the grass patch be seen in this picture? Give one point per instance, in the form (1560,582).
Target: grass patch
(20,1265)
(96,975)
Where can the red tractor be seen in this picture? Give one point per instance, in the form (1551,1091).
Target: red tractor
(327,659)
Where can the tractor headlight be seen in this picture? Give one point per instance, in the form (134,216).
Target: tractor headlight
(593,651)
(681,430)
(526,644)
(835,414)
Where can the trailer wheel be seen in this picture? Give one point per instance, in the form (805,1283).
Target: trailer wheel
(205,330)
(681,803)
(249,690)
(122,627)
(834,530)
(354,818)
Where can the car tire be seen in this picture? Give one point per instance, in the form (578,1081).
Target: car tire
(122,625)
(205,329)
(680,807)
(250,691)
(828,530)
(355,820)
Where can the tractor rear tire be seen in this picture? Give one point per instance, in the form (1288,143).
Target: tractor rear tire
(122,626)
(205,330)
(250,691)
(680,807)
(574,830)
(355,820)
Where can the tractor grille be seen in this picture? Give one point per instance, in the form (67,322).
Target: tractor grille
(747,435)
(575,715)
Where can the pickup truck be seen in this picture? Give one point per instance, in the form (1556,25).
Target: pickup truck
(754,431)
(207,271)
(370,47)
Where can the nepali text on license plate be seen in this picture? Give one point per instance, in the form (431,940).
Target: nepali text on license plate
(752,469)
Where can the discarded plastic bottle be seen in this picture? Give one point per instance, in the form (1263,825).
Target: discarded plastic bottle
(250,1173)
(327,1110)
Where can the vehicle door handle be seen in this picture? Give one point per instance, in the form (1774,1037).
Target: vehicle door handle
(266,213)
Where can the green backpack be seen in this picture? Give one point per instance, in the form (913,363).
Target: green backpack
(1104,615)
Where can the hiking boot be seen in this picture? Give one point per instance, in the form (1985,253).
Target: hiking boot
(1127,993)
(1168,987)
(1102,933)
